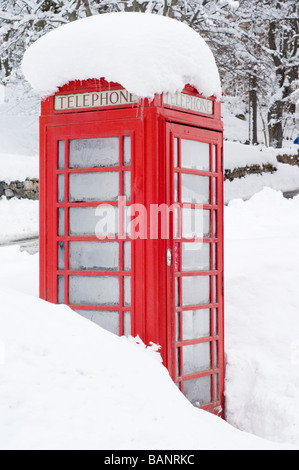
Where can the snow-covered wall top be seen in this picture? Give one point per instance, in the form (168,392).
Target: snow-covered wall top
(145,53)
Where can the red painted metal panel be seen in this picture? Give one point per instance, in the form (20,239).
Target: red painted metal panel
(152,127)
(83,127)
(176,343)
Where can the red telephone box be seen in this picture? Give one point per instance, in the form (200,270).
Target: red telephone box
(161,275)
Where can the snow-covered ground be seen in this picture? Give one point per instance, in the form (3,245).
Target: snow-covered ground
(262,321)
(19,219)
(238,155)
(57,392)
(65,383)
(19,272)
(285,179)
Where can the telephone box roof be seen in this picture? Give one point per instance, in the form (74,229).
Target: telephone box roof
(145,53)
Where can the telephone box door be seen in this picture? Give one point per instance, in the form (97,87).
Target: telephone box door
(89,254)
(195,272)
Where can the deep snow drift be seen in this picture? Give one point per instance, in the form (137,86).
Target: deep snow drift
(145,53)
(261,310)
(68,384)
(19,219)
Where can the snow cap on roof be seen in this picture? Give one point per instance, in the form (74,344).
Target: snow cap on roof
(145,53)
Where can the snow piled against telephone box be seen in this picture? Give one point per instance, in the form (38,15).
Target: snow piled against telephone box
(262,322)
(66,383)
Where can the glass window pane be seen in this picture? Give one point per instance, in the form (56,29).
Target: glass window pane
(127,150)
(127,324)
(206,223)
(215,158)
(177,292)
(215,321)
(61,155)
(127,214)
(177,258)
(61,222)
(195,155)
(93,153)
(107,320)
(83,221)
(94,290)
(215,289)
(178,362)
(92,221)
(216,354)
(92,187)
(178,326)
(216,384)
(196,324)
(94,256)
(215,224)
(175,152)
(195,223)
(215,256)
(215,200)
(195,189)
(127,185)
(61,183)
(127,294)
(196,256)
(199,391)
(196,358)
(107,221)
(61,299)
(127,256)
(176,187)
(196,290)
(177,222)
(60,256)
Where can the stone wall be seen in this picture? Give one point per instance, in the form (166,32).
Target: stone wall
(249,170)
(289,159)
(28,189)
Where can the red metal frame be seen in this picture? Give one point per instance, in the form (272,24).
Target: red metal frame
(67,131)
(153,128)
(175,273)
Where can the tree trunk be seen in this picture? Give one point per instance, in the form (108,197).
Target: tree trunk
(253,105)
(275,124)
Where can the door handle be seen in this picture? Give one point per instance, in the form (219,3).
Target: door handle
(169,257)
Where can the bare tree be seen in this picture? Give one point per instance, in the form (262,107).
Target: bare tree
(255,42)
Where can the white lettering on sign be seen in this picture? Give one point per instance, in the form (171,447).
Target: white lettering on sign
(95,99)
(193,103)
